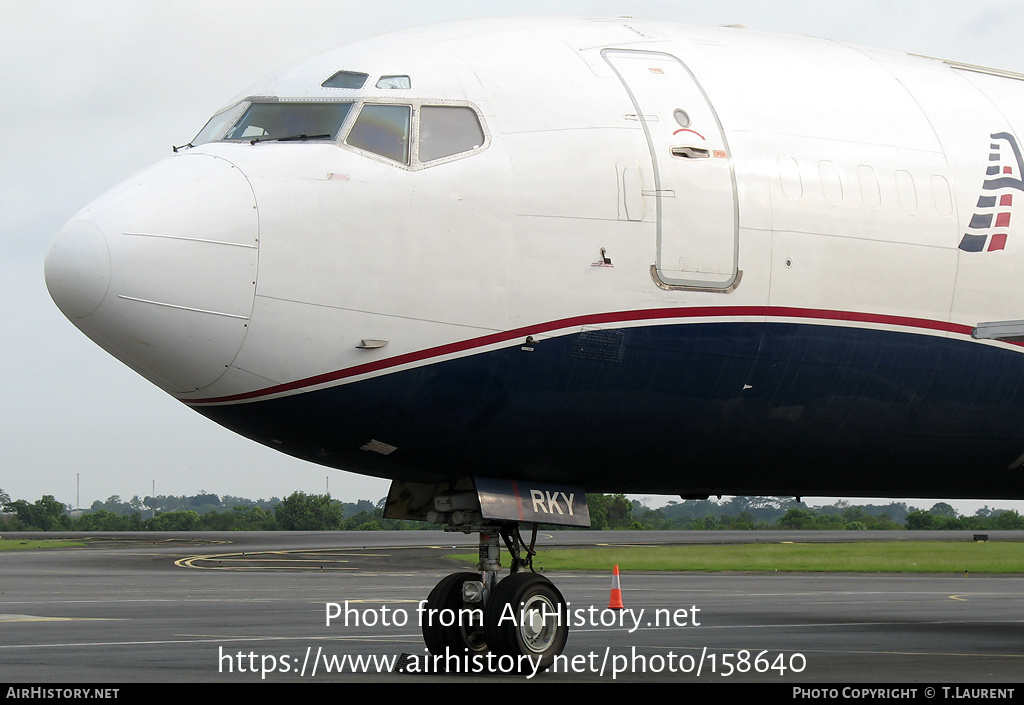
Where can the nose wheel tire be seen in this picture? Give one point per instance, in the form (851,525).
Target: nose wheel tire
(526,616)
(448,624)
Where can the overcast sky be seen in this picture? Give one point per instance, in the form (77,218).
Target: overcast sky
(94,90)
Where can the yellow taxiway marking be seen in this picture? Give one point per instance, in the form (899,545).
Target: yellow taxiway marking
(321,558)
(257,559)
(959,598)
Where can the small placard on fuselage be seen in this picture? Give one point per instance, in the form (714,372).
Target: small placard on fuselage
(532,502)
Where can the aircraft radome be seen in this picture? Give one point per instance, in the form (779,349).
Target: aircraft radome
(507,262)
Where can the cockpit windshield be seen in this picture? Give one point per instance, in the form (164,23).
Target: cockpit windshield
(410,133)
(216,126)
(290,121)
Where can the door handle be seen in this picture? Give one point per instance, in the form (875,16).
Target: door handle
(691,153)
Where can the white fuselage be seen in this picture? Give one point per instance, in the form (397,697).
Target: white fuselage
(630,176)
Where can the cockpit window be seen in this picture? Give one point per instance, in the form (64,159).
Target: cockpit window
(448,130)
(278,121)
(217,124)
(383,130)
(400,82)
(346,79)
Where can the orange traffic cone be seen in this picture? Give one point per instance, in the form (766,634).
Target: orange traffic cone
(616,601)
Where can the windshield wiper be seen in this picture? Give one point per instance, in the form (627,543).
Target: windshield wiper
(293,138)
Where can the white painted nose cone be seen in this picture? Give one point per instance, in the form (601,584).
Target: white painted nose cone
(161,271)
(77,269)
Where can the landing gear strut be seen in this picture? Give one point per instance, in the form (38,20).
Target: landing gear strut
(522,615)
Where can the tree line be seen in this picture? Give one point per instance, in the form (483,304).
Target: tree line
(319,512)
(203,512)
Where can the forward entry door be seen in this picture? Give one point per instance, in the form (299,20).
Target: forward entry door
(694,184)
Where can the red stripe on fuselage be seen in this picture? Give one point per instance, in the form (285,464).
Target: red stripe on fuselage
(592,319)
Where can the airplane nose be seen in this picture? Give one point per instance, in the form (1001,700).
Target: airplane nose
(161,271)
(77,269)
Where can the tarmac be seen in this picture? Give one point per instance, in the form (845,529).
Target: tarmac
(329,607)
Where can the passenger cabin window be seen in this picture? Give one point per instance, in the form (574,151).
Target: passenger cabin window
(448,130)
(290,121)
(346,79)
(399,82)
(383,130)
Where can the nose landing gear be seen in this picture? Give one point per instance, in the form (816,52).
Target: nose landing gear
(517,623)
(451,624)
(539,630)
(522,616)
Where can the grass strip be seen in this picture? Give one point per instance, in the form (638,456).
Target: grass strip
(18,544)
(866,557)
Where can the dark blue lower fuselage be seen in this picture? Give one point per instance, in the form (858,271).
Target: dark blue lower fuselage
(748,408)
